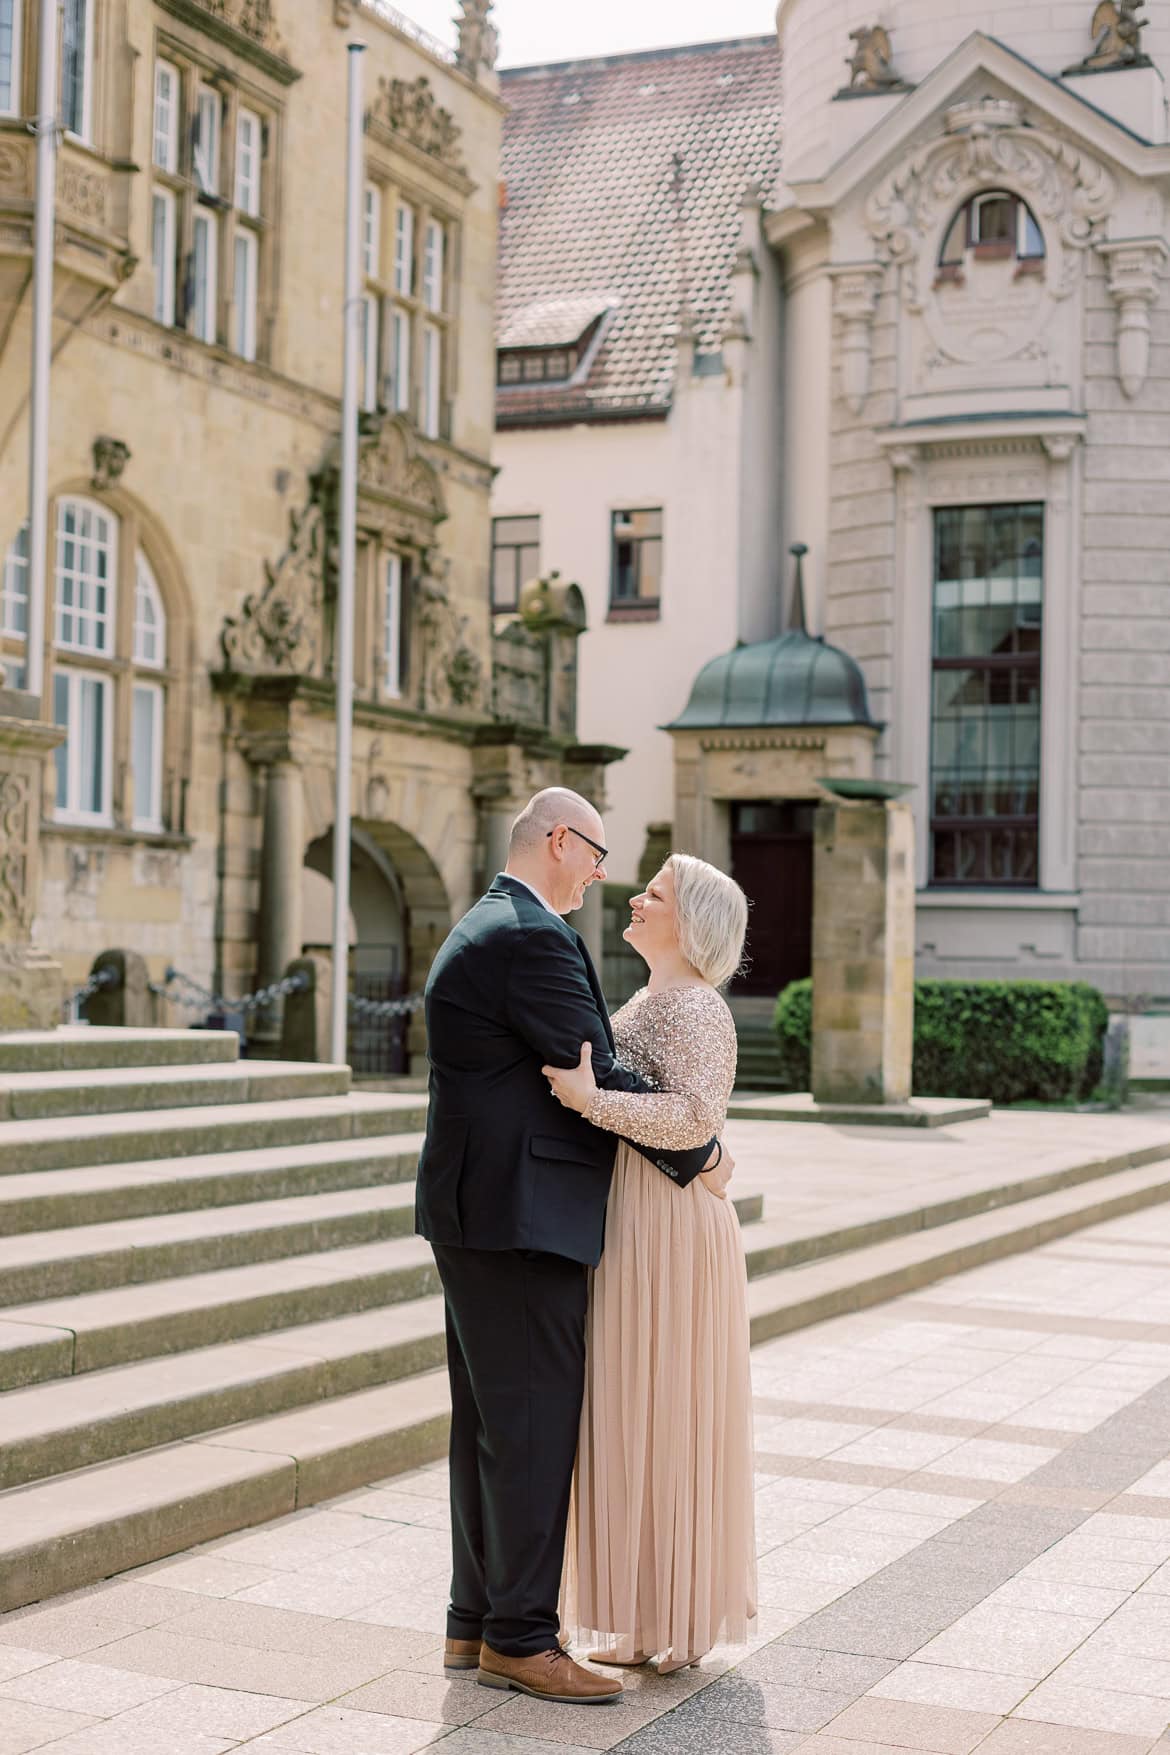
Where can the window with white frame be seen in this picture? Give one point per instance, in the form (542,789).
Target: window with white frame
(76,79)
(399,360)
(368,355)
(82,704)
(248,152)
(204,269)
(150,624)
(87,561)
(10,11)
(432,380)
(371,231)
(167,90)
(394,632)
(244,293)
(205,154)
(146,742)
(163,214)
(432,279)
(14,587)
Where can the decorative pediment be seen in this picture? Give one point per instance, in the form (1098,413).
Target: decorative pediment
(409,111)
(397,487)
(246,26)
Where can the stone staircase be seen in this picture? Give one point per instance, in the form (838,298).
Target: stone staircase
(213,1309)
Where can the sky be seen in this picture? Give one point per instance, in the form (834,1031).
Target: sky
(562,30)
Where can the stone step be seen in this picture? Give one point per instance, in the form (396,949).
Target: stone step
(59,1534)
(130,1252)
(53,1428)
(796,1297)
(29,1096)
(92,1331)
(57,1143)
(77,1047)
(49,1200)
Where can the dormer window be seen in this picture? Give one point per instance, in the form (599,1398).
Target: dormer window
(536,365)
(549,341)
(995,226)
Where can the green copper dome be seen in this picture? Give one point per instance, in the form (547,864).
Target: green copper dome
(791,680)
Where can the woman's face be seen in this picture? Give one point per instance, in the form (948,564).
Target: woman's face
(653,928)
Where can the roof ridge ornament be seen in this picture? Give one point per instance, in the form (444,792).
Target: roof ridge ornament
(871,65)
(1116,31)
(479,39)
(797,616)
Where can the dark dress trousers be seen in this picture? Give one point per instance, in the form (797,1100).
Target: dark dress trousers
(511,1195)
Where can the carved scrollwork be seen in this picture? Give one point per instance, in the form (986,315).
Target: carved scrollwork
(15,839)
(1135,273)
(254,19)
(16,166)
(452,671)
(408,110)
(82,192)
(279,629)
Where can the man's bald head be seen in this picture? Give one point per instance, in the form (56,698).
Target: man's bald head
(542,813)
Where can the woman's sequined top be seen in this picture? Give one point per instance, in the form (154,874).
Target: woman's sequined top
(682,1042)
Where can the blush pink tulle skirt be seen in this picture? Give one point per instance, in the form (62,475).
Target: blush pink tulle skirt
(660,1556)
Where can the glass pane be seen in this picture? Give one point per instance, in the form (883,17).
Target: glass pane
(995,219)
(504,578)
(74,70)
(517,530)
(61,753)
(955,244)
(7,54)
(92,736)
(1031,237)
(144,753)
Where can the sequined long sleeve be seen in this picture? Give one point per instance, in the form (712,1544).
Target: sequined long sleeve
(682,1040)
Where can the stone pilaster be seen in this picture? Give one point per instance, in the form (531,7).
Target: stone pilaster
(280,926)
(863,952)
(30,980)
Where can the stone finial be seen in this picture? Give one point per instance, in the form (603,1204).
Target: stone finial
(479,40)
(1116,31)
(871,65)
(797,615)
(110,457)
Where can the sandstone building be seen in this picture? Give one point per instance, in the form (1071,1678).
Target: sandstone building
(194,474)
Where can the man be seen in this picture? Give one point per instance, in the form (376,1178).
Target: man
(511,1195)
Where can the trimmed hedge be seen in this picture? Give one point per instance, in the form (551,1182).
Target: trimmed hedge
(1011,1041)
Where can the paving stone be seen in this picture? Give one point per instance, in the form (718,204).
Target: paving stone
(15,1662)
(217,1712)
(66,1631)
(701,1737)
(1020,1737)
(333,1730)
(405,1694)
(1014,1642)
(1057,1701)
(222,1665)
(105,1691)
(800,1666)
(974,1690)
(780,1706)
(24,1726)
(942,1730)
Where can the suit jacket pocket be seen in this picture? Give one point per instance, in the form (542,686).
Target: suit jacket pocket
(562,1151)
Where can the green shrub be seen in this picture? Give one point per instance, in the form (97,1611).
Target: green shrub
(1012,1041)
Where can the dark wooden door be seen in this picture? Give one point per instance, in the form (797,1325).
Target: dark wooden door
(772,860)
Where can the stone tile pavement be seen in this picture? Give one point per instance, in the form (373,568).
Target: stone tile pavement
(964,1533)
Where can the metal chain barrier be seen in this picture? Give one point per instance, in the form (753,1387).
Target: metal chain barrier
(97,982)
(385,1008)
(199,999)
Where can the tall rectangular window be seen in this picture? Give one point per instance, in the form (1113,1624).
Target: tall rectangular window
(635,577)
(393,641)
(77,66)
(432,380)
(204,269)
(515,559)
(371,230)
(86,570)
(162,253)
(432,284)
(82,704)
(9,57)
(244,288)
(248,153)
(368,360)
(206,149)
(14,587)
(400,360)
(146,755)
(404,250)
(166,117)
(985,716)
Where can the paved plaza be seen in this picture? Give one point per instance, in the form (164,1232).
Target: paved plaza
(964,1538)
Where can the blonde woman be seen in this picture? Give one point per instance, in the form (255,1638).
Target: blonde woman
(660,1558)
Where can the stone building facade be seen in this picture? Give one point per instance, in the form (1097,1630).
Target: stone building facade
(953,322)
(194,475)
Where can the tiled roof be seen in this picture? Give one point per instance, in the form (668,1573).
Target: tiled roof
(553,322)
(622,182)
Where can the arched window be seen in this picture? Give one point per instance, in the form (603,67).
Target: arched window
(992,226)
(109,674)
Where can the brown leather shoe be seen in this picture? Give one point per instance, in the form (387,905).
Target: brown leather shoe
(547,1675)
(461,1654)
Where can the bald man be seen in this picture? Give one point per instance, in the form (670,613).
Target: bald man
(511,1195)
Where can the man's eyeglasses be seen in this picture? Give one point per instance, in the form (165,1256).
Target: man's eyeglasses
(601,852)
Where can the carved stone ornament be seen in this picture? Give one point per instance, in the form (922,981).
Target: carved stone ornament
(253,18)
(82,191)
(15,840)
(16,168)
(479,40)
(278,630)
(452,672)
(110,457)
(987,146)
(1116,31)
(855,299)
(409,111)
(871,65)
(1135,273)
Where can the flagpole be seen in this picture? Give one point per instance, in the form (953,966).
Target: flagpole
(45,128)
(347,536)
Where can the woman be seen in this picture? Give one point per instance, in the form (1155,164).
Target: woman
(661,1551)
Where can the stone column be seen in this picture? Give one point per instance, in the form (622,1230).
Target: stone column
(863,952)
(280,927)
(30,981)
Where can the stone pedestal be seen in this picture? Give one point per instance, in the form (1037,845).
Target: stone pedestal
(863,953)
(30,981)
(282,855)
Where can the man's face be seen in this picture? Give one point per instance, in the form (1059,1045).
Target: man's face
(578,861)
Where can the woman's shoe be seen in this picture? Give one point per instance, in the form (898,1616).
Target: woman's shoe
(620,1663)
(668,1666)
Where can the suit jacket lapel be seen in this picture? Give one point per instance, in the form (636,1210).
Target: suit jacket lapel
(595,984)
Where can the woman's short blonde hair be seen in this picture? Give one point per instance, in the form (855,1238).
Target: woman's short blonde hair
(712,916)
